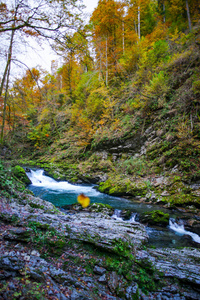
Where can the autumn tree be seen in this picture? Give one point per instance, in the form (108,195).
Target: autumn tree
(51,20)
(77,60)
(107,30)
(179,13)
(27,90)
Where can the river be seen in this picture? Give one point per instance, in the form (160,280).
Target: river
(62,193)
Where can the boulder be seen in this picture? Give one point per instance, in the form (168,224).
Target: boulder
(155,217)
(20,173)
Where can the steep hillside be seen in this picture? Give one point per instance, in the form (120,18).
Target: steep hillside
(148,145)
(139,137)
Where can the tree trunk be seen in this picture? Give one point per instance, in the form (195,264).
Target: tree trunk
(106,61)
(6,72)
(139,22)
(164,17)
(123,38)
(4,108)
(188,15)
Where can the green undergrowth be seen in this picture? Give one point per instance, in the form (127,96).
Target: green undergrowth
(10,185)
(26,287)
(127,267)
(46,239)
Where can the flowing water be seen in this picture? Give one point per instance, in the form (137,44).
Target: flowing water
(63,193)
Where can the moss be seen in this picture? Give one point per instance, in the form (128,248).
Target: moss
(49,241)
(10,185)
(36,205)
(102,208)
(119,186)
(20,173)
(11,218)
(122,248)
(155,217)
(34,225)
(145,275)
(182,200)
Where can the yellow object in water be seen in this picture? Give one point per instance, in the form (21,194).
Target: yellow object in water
(83,200)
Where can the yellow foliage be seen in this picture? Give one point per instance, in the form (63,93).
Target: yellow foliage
(137,103)
(44,115)
(184,129)
(83,200)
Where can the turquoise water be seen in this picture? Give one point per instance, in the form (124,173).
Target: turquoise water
(62,193)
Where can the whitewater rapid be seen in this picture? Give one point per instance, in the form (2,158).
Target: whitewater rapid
(39,179)
(179,229)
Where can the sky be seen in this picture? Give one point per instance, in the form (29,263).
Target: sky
(90,4)
(34,55)
(43,55)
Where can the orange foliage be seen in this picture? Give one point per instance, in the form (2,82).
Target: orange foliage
(30,32)
(107,34)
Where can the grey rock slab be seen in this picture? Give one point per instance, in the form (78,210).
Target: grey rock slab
(181,264)
(100,229)
(97,228)
(18,234)
(81,295)
(6,274)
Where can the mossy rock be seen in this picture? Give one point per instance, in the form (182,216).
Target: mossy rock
(182,200)
(19,234)
(36,205)
(95,207)
(123,187)
(101,208)
(155,217)
(20,174)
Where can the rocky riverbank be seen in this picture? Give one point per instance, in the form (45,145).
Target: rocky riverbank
(86,254)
